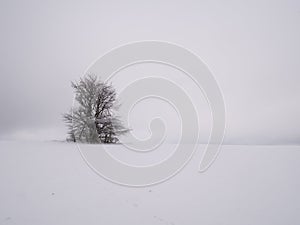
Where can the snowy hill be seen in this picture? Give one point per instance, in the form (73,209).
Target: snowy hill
(49,183)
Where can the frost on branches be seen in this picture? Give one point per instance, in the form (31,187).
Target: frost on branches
(94,118)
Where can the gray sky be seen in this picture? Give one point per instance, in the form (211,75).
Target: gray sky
(252,47)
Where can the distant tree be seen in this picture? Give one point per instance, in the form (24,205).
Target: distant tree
(94,120)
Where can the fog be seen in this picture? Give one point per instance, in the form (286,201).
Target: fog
(251,47)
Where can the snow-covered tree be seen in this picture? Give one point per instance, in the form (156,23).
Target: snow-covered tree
(94,120)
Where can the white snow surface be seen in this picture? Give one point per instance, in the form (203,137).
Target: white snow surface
(49,183)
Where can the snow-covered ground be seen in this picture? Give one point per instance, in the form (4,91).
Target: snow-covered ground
(49,183)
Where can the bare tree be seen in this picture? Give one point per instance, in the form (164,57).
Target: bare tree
(94,120)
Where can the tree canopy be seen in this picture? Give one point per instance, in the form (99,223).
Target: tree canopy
(93,119)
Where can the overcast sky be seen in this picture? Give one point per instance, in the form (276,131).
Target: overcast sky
(252,47)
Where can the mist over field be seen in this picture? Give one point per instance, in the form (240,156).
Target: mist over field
(251,48)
